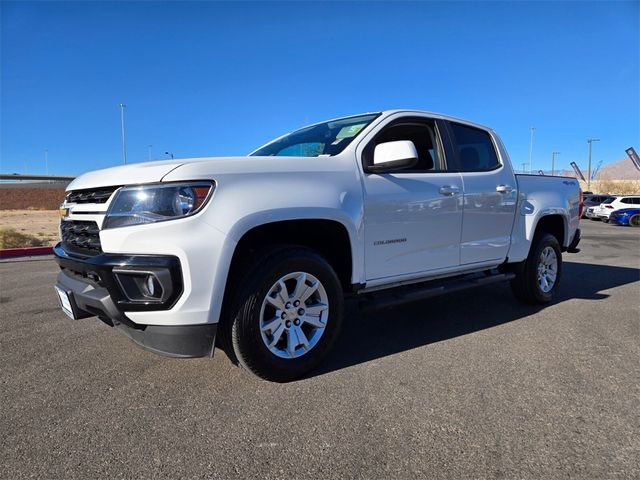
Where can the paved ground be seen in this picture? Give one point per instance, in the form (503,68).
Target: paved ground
(472,385)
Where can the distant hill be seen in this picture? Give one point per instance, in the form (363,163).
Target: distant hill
(620,170)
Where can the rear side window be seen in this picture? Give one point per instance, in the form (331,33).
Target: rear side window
(475,149)
(631,200)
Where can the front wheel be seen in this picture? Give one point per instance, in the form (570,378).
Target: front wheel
(287,314)
(538,277)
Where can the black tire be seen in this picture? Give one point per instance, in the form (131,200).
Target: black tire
(634,220)
(525,286)
(243,323)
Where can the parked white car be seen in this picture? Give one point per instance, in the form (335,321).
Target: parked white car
(258,252)
(592,212)
(616,203)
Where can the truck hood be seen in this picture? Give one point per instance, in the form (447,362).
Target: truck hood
(194,168)
(125,175)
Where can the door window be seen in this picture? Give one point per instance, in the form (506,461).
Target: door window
(476,152)
(423,136)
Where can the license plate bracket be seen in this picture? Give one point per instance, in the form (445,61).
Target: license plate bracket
(66,303)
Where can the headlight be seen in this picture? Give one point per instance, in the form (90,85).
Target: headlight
(156,203)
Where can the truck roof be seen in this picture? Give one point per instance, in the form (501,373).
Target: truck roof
(437,115)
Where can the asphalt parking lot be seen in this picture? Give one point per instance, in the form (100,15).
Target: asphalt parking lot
(470,385)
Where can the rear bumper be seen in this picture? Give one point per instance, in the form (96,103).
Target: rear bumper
(573,246)
(93,290)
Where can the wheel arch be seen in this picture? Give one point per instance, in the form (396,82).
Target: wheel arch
(554,224)
(330,237)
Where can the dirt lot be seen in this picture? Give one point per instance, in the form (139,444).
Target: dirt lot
(42,224)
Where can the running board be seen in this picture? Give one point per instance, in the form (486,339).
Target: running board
(401,295)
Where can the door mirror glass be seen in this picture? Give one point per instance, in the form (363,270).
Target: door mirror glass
(396,155)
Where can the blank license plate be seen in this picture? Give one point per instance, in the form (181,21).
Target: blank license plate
(65,302)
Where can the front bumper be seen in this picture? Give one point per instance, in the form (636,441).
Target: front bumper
(619,219)
(94,287)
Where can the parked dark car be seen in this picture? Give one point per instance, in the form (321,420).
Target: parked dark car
(626,216)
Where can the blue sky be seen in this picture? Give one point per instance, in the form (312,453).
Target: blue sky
(206,79)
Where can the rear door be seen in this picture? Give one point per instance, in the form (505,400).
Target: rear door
(413,218)
(490,194)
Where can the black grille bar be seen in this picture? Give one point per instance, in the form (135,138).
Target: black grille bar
(81,237)
(99,195)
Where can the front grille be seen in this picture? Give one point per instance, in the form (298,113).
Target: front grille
(81,237)
(94,195)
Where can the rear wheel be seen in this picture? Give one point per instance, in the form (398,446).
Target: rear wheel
(634,220)
(287,314)
(538,277)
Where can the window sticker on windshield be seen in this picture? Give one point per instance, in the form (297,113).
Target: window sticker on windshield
(350,131)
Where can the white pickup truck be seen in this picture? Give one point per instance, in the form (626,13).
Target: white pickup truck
(256,254)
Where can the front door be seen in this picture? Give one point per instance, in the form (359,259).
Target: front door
(413,218)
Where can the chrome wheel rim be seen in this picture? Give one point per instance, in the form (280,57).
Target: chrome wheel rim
(547,269)
(634,221)
(294,315)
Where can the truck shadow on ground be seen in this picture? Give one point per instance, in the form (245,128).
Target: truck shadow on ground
(366,337)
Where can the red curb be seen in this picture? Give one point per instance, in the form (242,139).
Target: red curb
(25,252)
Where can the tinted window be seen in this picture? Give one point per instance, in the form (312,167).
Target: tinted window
(423,137)
(475,148)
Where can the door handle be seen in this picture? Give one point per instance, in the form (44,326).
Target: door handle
(449,190)
(504,188)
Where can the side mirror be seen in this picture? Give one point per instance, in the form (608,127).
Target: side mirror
(396,155)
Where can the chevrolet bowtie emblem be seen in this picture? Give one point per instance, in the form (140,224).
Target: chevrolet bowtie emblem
(64,212)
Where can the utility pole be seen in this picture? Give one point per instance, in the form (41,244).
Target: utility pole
(531,130)
(524,167)
(553,162)
(124,147)
(590,141)
(46,161)
(149,147)
(170,154)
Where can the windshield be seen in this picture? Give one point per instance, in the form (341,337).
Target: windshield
(328,138)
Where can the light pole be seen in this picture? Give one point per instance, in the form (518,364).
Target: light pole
(149,147)
(46,161)
(170,154)
(531,130)
(590,141)
(553,162)
(124,147)
(524,167)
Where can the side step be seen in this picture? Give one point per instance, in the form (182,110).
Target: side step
(400,295)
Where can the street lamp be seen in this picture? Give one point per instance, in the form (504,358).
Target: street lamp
(531,130)
(170,154)
(124,148)
(149,147)
(553,162)
(590,141)
(46,161)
